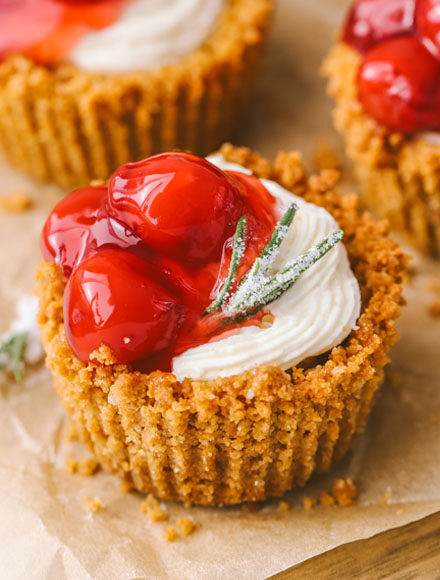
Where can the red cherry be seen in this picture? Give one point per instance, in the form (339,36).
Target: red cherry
(428,24)
(119,300)
(79,225)
(179,204)
(399,85)
(372,21)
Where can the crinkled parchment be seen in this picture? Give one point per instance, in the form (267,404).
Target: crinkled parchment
(47,532)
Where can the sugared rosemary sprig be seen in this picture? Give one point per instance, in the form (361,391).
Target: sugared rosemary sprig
(261,290)
(12,354)
(238,248)
(258,288)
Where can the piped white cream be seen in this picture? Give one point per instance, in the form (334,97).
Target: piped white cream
(317,313)
(149,34)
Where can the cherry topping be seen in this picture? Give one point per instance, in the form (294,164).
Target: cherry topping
(145,256)
(47,30)
(372,21)
(399,85)
(79,225)
(119,300)
(428,24)
(179,204)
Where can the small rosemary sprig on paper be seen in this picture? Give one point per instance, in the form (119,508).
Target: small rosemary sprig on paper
(12,354)
(258,287)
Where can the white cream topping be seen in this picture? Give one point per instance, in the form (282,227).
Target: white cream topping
(317,313)
(149,34)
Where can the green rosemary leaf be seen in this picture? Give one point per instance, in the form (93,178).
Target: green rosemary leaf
(238,248)
(12,354)
(270,251)
(269,289)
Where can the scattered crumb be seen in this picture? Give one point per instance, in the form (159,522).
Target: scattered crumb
(283,506)
(400,511)
(185,525)
(151,507)
(88,466)
(386,498)
(71,433)
(325,156)
(309,502)
(16,202)
(93,505)
(344,491)
(169,534)
(125,486)
(251,507)
(327,500)
(71,464)
(158,515)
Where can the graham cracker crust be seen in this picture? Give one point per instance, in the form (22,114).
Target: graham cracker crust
(206,442)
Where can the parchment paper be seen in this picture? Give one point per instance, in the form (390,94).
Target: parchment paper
(46,531)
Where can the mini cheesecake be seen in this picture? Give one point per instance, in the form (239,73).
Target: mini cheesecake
(88,86)
(384,74)
(217,328)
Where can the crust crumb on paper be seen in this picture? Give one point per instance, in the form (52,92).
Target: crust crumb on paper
(170,534)
(154,511)
(16,202)
(93,504)
(185,525)
(386,498)
(344,491)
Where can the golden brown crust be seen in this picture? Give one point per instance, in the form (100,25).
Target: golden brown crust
(69,126)
(205,441)
(399,174)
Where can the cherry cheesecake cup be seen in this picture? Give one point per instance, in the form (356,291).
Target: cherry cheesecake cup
(384,75)
(221,437)
(86,87)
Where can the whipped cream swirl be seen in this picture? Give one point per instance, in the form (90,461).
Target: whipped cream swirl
(149,34)
(317,313)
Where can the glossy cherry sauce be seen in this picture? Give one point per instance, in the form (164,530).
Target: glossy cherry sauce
(47,30)
(399,77)
(144,256)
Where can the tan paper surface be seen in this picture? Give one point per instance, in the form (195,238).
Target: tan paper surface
(45,528)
